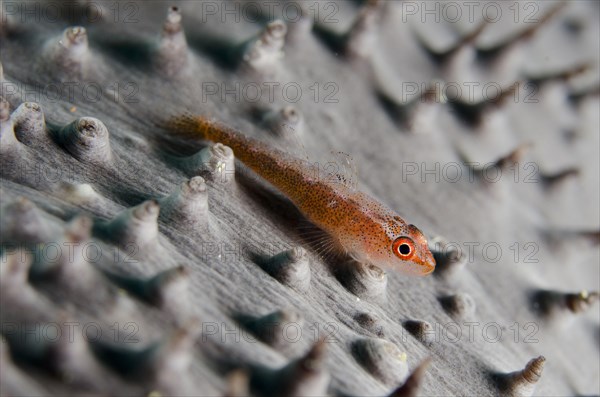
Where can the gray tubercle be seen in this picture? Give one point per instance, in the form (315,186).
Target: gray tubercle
(178,346)
(522,383)
(422,330)
(168,289)
(24,305)
(16,160)
(187,206)
(581,301)
(30,124)
(162,366)
(505,162)
(549,303)
(449,258)
(215,163)
(413,383)
(172,51)
(22,222)
(524,35)
(444,59)
(370,323)
(473,113)
(459,305)
(361,38)
(299,26)
(412,113)
(78,193)
(8,139)
(170,362)
(87,139)
(68,56)
(14,272)
(4,110)
(263,54)
(69,266)
(65,266)
(364,280)
(271,328)
(291,267)
(135,227)
(562,239)
(305,376)
(71,357)
(285,122)
(14,381)
(382,359)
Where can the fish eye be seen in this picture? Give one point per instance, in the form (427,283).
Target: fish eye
(404,248)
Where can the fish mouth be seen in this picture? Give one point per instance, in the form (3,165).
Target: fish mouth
(429,270)
(428,265)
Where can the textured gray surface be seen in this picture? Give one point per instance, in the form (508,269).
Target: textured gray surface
(192,325)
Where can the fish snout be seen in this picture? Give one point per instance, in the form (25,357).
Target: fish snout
(427,263)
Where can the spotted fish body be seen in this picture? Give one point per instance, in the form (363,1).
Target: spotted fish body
(364,228)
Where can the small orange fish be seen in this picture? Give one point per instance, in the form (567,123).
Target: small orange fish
(361,226)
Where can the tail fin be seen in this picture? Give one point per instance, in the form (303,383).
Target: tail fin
(192,127)
(188,126)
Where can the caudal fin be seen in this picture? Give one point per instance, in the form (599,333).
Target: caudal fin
(188,126)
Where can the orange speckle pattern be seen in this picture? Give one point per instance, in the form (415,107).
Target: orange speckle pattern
(362,226)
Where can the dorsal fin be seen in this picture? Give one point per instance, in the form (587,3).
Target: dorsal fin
(342,169)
